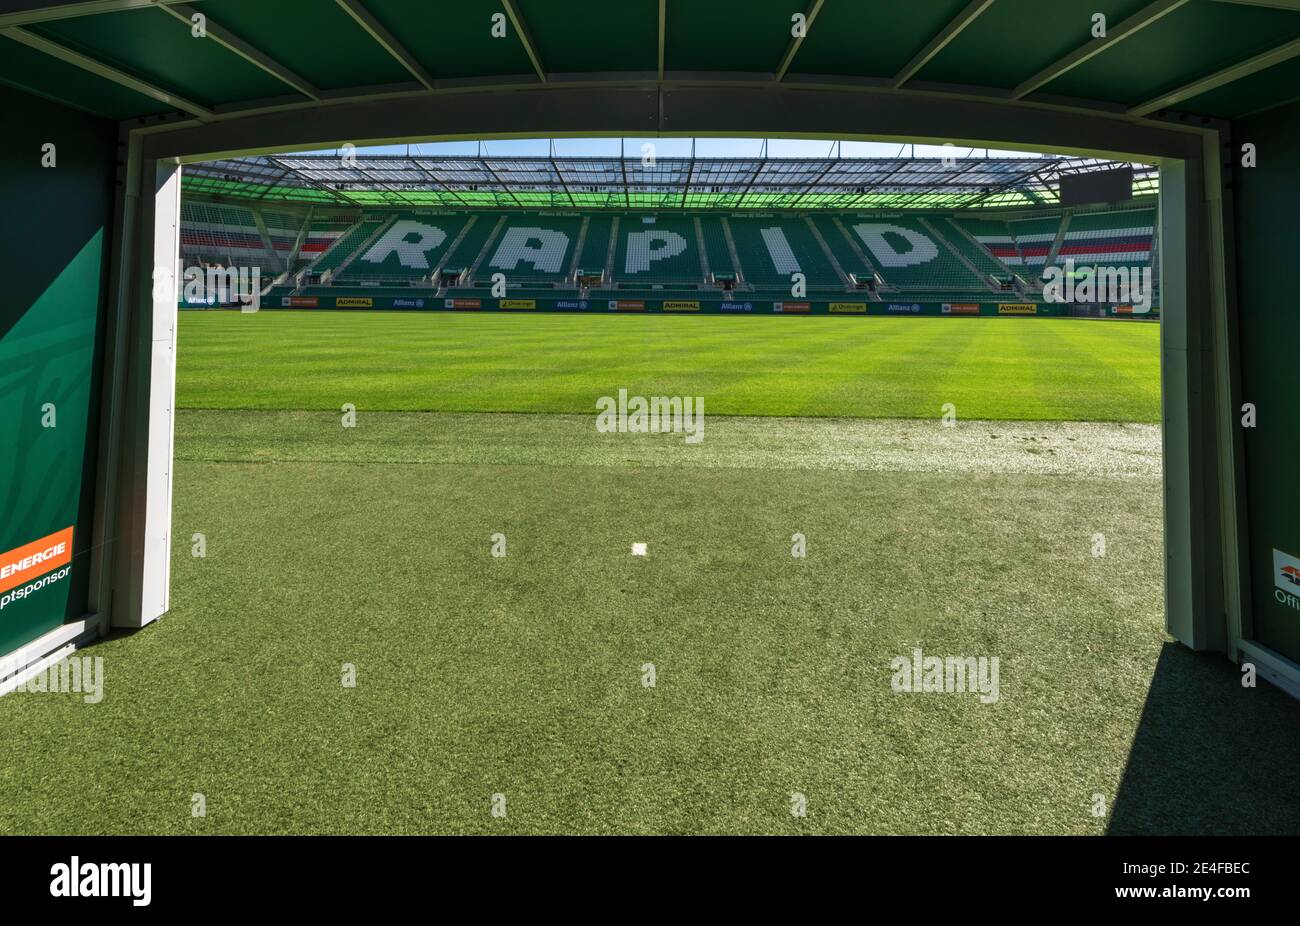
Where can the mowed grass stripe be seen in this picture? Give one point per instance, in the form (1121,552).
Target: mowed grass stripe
(997,369)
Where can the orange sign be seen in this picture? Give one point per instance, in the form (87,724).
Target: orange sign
(35,559)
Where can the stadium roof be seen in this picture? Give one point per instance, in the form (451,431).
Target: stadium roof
(637,182)
(149,58)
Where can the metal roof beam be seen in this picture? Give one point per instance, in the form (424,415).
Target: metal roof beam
(386,40)
(40,11)
(1135,23)
(525,37)
(795,41)
(1219,78)
(314,184)
(234,43)
(1275,4)
(67,55)
(940,41)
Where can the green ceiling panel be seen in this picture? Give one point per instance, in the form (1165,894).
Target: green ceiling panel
(454,40)
(1268,88)
(1015,39)
(1189,43)
(33,71)
(594,35)
(1010,41)
(318,41)
(844,41)
(158,48)
(728,35)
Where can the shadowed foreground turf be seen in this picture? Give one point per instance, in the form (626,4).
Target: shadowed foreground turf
(523,675)
(1038,369)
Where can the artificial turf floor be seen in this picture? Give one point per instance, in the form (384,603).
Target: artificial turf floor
(523,675)
(1036,369)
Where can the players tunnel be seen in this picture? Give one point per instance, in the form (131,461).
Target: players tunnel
(102,116)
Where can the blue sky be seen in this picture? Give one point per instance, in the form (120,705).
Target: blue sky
(681,147)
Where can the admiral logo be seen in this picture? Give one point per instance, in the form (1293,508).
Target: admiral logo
(681,306)
(911,308)
(1286,576)
(408,303)
(626,305)
(463,303)
(801,308)
(960,308)
(354,302)
(33,566)
(1017,308)
(849,308)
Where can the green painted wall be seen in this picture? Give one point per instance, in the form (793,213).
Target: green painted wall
(1267,228)
(55,230)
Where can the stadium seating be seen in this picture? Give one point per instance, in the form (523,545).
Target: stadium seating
(772,248)
(321,234)
(983,261)
(220,234)
(343,246)
(995,236)
(918,257)
(1110,238)
(715,245)
(657,249)
(1034,239)
(409,249)
(595,247)
(533,247)
(464,254)
(910,256)
(844,252)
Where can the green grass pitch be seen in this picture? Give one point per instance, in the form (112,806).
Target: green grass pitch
(875,367)
(523,675)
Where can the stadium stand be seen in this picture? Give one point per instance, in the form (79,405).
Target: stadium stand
(408,250)
(908,255)
(772,248)
(1033,238)
(221,234)
(1112,238)
(595,247)
(923,257)
(346,244)
(852,259)
(716,251)
(321,234)
(978,256)
(462,256)
(533,248)
(995,236)
(657,249)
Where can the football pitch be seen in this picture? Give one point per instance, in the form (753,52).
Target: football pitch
(716,683)
(875,367)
